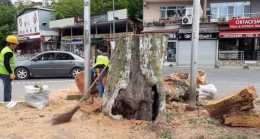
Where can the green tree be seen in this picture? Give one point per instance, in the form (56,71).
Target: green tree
(102,6)
(72,8)
(5,2)
(22,7)
(68,8)
(135,8)
(7,22)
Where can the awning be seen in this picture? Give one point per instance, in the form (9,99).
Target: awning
(239,34)
(162,31)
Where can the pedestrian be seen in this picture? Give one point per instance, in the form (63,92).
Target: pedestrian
(7,59)
(100,63)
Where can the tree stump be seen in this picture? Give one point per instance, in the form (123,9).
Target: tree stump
(134,88)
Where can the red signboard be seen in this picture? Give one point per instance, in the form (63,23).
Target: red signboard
(248,23)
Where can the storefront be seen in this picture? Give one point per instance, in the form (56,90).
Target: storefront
(207,49)
(240,41)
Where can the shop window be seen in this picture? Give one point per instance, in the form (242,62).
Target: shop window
(228,45)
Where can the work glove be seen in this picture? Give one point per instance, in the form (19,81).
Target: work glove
(12,76)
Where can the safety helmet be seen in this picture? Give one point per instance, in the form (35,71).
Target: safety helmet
(12,39)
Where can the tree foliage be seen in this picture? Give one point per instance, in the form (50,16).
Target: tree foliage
(72,8)
(7,20)
(22,7)
(68,8)
(135,8)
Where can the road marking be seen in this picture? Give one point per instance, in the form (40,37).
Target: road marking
(38,82)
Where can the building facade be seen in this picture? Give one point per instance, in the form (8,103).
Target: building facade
(175,19)
(229,30)
(33,31)
(102,38)
(239,28)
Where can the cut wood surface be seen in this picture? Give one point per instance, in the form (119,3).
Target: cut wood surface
(239,101)
(244,118)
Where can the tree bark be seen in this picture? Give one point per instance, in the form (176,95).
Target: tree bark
(244,118)
(240,101)
(134,88)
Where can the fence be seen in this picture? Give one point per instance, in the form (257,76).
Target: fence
(231,55)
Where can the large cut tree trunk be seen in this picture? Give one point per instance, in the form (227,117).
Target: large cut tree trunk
(239,101)
(134,86)
(243,118)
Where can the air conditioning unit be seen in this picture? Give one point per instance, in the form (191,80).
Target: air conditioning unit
(186,20)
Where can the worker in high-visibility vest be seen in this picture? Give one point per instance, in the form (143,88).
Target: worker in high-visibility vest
(100,63)
(7,59)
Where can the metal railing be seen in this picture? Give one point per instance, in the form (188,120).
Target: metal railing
(225,18)
(231,55)
(207,19)
(258,55)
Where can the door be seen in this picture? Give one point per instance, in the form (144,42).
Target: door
(64,62)
(43,65)
(206,53)
(171,52)
(249,49)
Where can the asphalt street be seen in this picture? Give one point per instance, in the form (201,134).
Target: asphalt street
(227,81)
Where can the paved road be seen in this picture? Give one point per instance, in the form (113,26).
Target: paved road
(227,81)
(53,84)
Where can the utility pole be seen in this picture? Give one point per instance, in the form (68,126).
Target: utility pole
(87,41)
(114,37)
(194,52)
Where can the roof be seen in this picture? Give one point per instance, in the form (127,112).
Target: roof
(35,8)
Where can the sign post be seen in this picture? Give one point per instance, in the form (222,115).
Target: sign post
(194,53)
(87,45)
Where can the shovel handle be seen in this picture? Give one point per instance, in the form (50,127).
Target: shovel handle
(87,93)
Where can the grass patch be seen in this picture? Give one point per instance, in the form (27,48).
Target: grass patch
(169,116)
(212,121)
(193,121)
(165,136)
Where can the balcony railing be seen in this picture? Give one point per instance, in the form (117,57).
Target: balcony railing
(207,19)
(225,18)
(231,55)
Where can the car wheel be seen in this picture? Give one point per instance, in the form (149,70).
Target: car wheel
(75,71)
(22,73)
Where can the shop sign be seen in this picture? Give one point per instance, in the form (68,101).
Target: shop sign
(173,36)
(202,36)
(230,35)
(96,41)
(249,23)
(78,20)
(77,40)
(28,24)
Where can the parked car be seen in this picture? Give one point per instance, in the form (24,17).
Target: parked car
(49,64)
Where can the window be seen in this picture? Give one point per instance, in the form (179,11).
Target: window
(46,56)
(172,11)
(229,10)
(64,56)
